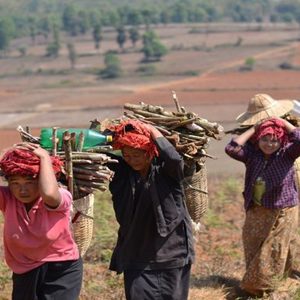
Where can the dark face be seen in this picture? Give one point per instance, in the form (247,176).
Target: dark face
(139,160)
(24,188)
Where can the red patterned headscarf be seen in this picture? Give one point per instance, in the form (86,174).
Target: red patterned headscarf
(274,127)
(23,162)
(135,134)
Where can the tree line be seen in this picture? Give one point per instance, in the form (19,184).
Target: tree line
(74,17)
(31,17)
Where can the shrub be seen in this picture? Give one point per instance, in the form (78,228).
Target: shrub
(112,66)
(248,64)
(147,70)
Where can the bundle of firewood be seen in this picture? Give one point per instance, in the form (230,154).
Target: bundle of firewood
(188,132)
(242,128)
(84,172)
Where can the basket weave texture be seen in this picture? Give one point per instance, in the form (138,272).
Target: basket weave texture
(195,188)
(297,170)
(83,225)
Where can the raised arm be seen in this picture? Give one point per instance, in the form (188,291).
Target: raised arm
(245,136)
(289,127)
(173,162)
(236,148)
(48,186)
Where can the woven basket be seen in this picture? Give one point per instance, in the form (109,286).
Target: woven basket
(195,188)
(297,170)
(83,222)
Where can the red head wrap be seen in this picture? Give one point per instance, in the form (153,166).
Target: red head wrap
(134,134)
(23,162)
(274,127)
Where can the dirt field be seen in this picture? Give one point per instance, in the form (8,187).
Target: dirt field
(30,95)
(217,96)
(40,92)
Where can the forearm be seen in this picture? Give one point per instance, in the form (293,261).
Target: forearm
(289,126)
(245,136)
(155,133)
(172,160)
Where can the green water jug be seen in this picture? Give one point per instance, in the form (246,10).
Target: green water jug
(92,138)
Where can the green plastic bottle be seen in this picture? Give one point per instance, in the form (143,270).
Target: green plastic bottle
(92,138)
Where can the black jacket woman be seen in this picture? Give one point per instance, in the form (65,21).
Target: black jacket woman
(155,243)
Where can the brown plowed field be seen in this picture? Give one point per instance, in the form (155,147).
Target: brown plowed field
(218,97)
(50,95)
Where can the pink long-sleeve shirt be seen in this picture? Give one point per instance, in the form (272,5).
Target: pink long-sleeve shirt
(37,236)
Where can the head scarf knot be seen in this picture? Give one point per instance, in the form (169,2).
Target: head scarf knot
(25,163)
(135,134)
(274,127)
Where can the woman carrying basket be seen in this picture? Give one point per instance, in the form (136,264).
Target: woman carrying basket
(268,150)
(155,243)
(38,244)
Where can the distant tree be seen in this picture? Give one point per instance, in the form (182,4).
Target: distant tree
(97,35)
(135,17)
(44,26)
(134,35)
(32,28)
(165,17)
(70,20)
(197,14)
(72,54)
(111,18)
(248,64)
(54,47)
(123,13)
(95,18)
(22,50)
(274,18)
(112,66)
(179,13)
(153,49)
(238,42)
(7,30)
(287,17)
(121,37)
(150,16)
(83,21)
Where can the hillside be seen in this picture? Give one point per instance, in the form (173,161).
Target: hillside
(205,71)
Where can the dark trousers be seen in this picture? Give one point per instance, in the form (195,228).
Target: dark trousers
(167,284)
(51,281)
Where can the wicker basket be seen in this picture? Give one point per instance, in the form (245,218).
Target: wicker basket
(195,188)
(297,170)
(83,222)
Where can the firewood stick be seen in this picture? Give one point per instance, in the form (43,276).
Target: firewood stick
(86,189)
(182,123)
(80,142)
(68,160)
(54,141)
(81,182)
(96,174)
(178,108)
(73,141)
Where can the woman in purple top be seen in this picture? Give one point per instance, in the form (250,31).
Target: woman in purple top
(268,150)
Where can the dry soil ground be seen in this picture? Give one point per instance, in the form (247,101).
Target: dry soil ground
(219,93)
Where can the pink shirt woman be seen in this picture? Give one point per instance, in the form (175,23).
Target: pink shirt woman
(39,247)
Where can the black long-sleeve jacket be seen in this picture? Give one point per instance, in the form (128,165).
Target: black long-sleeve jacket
(155,229)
